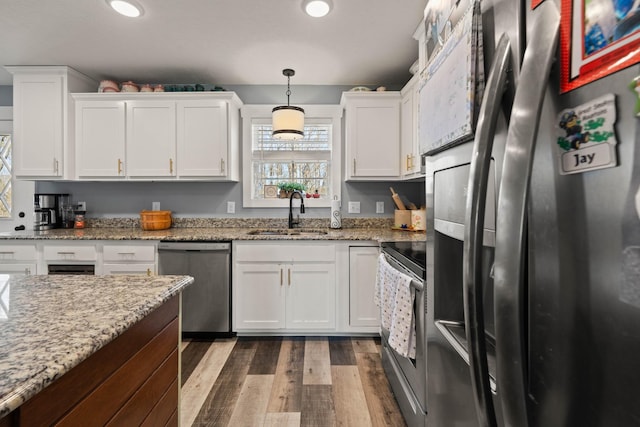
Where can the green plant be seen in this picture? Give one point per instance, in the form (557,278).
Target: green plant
(291,186)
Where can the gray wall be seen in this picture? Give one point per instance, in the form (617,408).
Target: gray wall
(209,199)
(6,96)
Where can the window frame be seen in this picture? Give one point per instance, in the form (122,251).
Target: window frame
(331,114)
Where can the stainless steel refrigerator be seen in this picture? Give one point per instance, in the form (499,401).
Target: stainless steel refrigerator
(533,274)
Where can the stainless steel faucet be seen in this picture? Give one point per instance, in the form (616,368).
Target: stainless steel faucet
(292,223)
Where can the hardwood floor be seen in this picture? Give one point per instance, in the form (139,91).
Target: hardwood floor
(286,381)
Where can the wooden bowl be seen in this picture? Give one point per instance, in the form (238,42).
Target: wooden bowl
(155,220)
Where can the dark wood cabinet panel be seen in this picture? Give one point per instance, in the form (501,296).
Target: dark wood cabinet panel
(96,390)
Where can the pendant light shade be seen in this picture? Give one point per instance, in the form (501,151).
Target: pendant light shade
(288,120)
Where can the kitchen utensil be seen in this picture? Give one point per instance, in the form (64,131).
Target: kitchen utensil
(397,200)
(412,206)
(402,219)
(130,87)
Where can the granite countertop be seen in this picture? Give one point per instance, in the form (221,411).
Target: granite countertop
(378,234)
(49,324)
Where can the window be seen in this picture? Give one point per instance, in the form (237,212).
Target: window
(5,176)
(313,161)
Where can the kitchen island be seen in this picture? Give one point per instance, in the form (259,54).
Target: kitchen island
(104,347)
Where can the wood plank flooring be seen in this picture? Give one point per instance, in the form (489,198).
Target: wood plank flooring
(286,381)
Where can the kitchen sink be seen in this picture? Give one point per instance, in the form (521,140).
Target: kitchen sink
(291,232)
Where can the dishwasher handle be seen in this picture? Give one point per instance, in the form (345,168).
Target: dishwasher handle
(194,246)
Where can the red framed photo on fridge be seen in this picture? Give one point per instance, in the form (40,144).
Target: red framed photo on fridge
(597,38)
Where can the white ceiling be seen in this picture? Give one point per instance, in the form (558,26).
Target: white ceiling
(234,42)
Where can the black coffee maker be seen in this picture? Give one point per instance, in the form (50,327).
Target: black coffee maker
(47,212)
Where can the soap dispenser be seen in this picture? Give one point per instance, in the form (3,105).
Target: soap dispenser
(336,219)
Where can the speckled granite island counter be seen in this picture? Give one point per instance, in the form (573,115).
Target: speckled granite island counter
(78,346)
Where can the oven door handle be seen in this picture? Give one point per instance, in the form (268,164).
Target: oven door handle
(473,233)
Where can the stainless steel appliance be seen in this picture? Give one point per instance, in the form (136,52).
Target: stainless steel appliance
(206,304)
(533,287)
(407,376)
(48,210)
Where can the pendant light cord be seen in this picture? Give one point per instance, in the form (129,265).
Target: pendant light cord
(288,89)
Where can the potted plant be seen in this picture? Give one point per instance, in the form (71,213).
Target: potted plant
(286,188)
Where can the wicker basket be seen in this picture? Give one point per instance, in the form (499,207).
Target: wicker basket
(155,220)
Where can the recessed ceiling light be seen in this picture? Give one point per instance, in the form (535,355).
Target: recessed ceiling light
(126,8)
(317,8)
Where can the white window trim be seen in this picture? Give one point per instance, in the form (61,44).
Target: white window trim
(331,112)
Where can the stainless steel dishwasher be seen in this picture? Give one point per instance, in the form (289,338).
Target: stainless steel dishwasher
(206,304)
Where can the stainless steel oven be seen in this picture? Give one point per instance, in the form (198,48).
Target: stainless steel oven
(408,376)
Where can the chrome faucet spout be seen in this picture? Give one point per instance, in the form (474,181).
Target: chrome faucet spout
(292,223)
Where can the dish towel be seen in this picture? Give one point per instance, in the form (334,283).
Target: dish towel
(394,295)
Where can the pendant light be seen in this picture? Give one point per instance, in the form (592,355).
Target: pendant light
(287,120)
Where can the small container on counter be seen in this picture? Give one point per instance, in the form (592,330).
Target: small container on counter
(79,222)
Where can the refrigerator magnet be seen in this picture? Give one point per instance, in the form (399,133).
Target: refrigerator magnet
(586,138)
(635,87)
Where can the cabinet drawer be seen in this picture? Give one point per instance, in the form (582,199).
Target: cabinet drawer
(17,252)
(320,252)
(119,253)
(69,253)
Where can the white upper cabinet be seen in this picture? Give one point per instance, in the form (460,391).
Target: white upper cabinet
(151,138)
(202,138)
(372,129)
(190,136)
(100,139)
(43,120)
(409,147)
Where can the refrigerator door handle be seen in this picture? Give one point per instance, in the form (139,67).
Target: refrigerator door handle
(509,285)
(473,234)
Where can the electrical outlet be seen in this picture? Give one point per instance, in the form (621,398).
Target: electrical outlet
(231,207)
(155,206)
(82,206)
(354,207)
(379,207)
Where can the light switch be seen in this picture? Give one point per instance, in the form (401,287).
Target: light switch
(354,207)
(231,207)
(155,206)
(379,207)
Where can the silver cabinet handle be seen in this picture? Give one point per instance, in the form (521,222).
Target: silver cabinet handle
(222,166)
(473,232)
(509,290)
(354,166)
(281,276)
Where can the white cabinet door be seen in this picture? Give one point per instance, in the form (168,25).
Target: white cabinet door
(202,138)
(372,122)
(311,301)
(260,294)
(27,268)
(100,139)
(151,139)
(410,157)
(129,268)
(363,262)
(38,108)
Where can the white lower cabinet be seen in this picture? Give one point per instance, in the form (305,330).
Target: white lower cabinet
(129,257)
(18,258)
(363,264)
(286,287)
(74,256)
